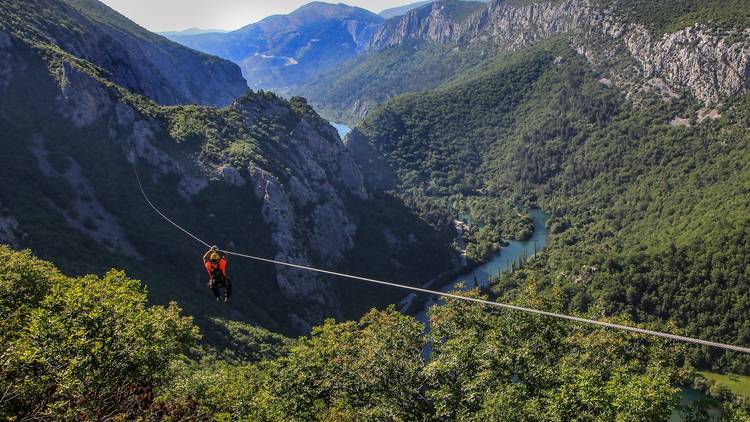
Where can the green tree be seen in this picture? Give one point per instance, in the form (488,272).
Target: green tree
(90,349)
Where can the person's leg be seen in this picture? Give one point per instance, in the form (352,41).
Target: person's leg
(215,289)
(228,289)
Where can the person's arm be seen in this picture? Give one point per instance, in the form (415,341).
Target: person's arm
(208,253)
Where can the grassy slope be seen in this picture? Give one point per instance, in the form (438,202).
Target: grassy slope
(738,384)
(374,78)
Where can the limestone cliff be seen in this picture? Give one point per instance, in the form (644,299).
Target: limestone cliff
(708,63)
(264,176)
(134,58)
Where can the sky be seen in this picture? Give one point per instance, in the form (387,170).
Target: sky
(176,15)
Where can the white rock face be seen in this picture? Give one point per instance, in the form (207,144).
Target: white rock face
(709,64)
(305,209)
(431,23)
(82,99)
(698,60)
(279,213)
(232,176)
(87,215)
(141,142)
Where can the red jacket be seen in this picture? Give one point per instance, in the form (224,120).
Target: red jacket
(222,265)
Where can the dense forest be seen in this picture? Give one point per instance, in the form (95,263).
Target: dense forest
(91,348)
(648,219)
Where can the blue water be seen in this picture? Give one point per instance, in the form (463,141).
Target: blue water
(342,128)
(501,262)
(508,254)
(690,396)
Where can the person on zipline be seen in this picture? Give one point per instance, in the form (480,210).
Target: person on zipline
(215,262)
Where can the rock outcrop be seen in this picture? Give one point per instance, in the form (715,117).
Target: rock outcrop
(431,22)
(134,58)
(707,63)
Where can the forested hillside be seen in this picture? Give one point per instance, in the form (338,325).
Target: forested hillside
(649,210)
(91,348)
(134,58)
(674,47)
(409,67)
(283,51)
(628,122)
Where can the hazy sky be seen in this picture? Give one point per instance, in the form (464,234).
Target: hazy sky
(171,15)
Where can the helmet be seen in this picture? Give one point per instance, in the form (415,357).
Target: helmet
(214,257)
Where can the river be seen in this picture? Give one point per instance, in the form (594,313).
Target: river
(501,262)
(342,128)
(509,254)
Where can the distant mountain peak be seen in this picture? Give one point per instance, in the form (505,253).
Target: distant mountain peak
(282,51)
(193,31)
(319,10)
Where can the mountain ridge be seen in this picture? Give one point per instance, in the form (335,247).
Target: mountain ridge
(264,175)
(136,59)
(704,60)
(282,51)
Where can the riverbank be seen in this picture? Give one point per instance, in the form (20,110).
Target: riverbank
(481,275)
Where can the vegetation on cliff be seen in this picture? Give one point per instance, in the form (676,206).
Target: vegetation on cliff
(648,219)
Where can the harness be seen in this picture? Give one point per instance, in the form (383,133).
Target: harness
(217,277)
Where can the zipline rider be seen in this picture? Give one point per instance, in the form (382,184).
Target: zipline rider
(215,262)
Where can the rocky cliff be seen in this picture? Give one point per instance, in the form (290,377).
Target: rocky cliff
(439,21)
(706,62)
(134,58)
(264,176)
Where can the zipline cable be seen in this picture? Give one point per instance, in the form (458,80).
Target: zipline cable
(458,297)
(160,213)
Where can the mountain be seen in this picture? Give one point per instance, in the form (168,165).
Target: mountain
(401,10)
(263,175)
(438,22)
(669,46)
(136,59)
(191,31)
(647,187)
(283,51)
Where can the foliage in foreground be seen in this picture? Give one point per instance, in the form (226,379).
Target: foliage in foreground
(90,348)
(81,348)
